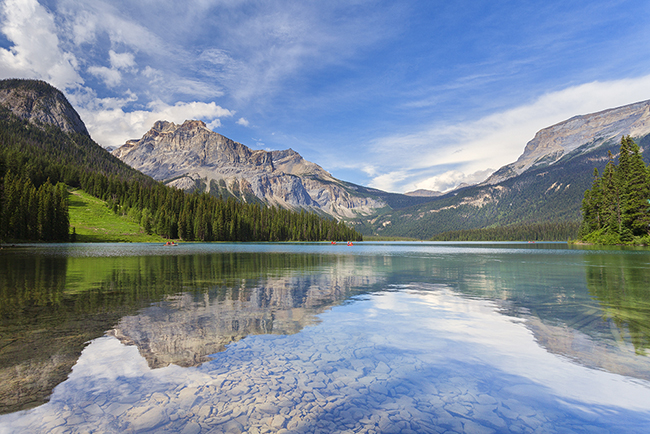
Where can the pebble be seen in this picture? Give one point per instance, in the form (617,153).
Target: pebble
(151,418)
(191,428)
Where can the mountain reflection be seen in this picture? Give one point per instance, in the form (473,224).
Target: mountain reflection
(175,308)
(184,329)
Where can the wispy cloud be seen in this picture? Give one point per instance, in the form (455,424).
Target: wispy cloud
(152,55)
(389,92)
(39,52)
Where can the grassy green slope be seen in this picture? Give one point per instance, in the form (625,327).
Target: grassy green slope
(95,222)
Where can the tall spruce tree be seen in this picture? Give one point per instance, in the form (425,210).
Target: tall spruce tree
(635,189)
(591,207)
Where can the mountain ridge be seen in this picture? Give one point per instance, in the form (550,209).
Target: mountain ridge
(547,182)
(588,131)
(548,185)
(190,156)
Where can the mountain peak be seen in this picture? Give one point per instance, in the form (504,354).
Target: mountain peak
(40,103)
(191,156)
(162,126)
(423,193)
(194,124)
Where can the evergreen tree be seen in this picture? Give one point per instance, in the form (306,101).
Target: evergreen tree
(635,191)
(618,205)
(611,198)
(591,207)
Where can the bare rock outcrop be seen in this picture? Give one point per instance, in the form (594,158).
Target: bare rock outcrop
(41,104)
(191,156)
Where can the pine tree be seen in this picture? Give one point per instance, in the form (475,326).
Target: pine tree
(635,191)
(591,205)
(611,198)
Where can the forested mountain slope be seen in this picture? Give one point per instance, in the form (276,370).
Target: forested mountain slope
(39,161)
(40,104)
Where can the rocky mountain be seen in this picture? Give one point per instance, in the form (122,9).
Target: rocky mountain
(41,104)
(546,184)
(587,132)
(191,156)
(423,193)
(39,123)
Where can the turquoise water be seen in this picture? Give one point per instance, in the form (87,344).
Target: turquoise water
(313,337)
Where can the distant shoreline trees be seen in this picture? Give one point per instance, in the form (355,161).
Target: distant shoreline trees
(548,231)
(616,210)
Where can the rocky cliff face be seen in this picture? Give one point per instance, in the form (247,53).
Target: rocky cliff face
(190,156)
(583,133)
(40,104)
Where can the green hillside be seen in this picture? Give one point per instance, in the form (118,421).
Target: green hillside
(93,221)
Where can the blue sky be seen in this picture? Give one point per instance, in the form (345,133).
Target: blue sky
(397,95)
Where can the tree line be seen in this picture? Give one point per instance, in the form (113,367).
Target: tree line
(38,164)
(30,213)
(617,207)
(550,231)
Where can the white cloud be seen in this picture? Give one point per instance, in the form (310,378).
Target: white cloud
(84,28)
(451,179)
(88,20)
(215,124)
(110,125)
(441,153)
(243,122)
(35,52)
(112,77)
(387,181)
(121,60)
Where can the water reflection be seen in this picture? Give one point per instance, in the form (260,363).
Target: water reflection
(175,309)
(239,338)
(621,283)
(184,329)
(365,368)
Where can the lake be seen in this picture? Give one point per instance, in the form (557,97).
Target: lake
(376,337)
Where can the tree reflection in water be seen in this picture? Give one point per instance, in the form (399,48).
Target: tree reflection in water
(621,283)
